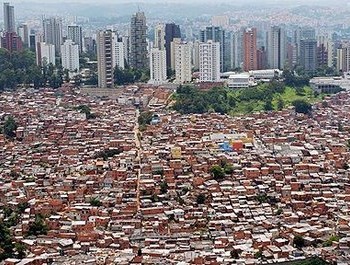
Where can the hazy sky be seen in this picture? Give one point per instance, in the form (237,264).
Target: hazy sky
(177,1)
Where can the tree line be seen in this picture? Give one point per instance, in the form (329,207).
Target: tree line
(19,68)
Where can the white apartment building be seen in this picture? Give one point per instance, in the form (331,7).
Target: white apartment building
(209,62)
(158,73)
(70,56)
(182,62)
(118,53)
(45,54)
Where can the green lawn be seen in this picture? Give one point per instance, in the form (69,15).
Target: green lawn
(288,96)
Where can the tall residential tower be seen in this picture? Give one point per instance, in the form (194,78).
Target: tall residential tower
(105,59)
(138,41)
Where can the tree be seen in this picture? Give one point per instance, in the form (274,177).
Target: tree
(145,118)
(10,127)
(330,240)
(126,76)
(301,106)
(235,253)
(280,103)
(6,245)
(95,202)
(86,110)
(201,198)
(268,105)
(228,168)
(20,249)
(217,172)
(164,187)
(258,255)
(38,227)
(298,241)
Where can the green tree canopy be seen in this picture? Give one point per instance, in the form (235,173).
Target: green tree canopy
(10,127)
(301,106)
(217,172)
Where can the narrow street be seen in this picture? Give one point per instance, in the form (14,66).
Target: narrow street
(139,151)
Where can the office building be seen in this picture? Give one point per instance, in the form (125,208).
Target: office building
(209,61)
(75,34)
(105,59)
(215,34)
(250,50)
(138,41)
(172,31)
(276,47)
(9,18)
(70,56)
(157,66)
(53,32)
(182,61)
(45,54)
(308,54)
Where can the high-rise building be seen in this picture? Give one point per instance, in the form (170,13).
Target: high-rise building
(70,56)
(89,45)
(195,55)
(183,65)
(262,58)
(209,61)
(276,48)
(173,44)
(118,52)
(126,47)
(138,41)
(308,54)
(45,54)
(32,42)
(76,35)
(53,32)
(157,66)
(343,58)
(23,32)
(9,18)
(215,34)
(302,33)
(235,40)
(159,37)
(11,42)
(105,59)
(325,51)
(250,50)
(172,31)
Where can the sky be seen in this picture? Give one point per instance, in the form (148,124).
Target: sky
(187,1)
